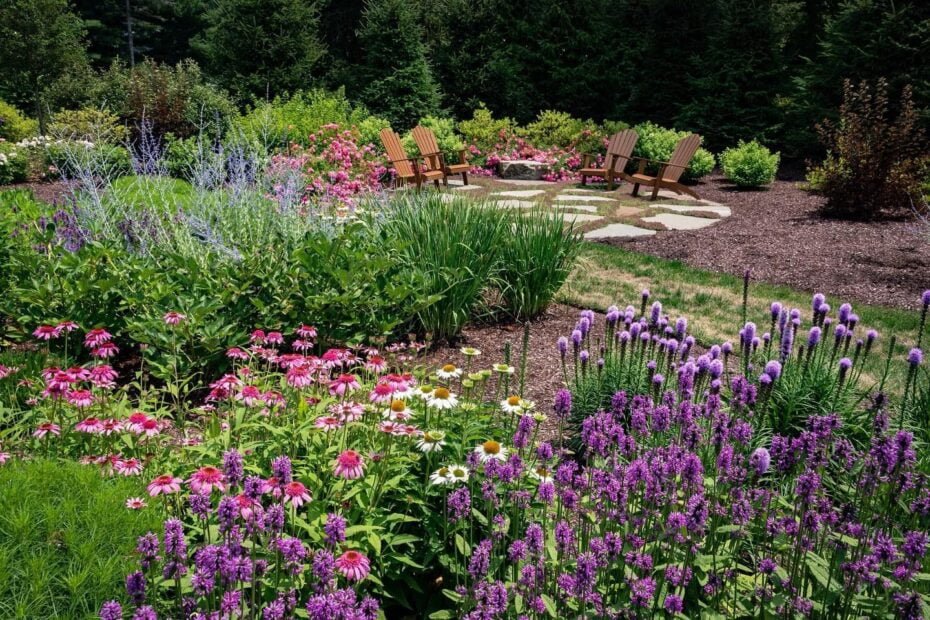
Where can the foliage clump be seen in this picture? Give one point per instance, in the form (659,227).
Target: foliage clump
(749,164)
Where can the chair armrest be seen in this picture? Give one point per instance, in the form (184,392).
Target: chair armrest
(463,156)
(642,160)
(585,159)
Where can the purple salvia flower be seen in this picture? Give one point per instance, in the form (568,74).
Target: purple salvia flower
(335,529)
(281,469)
(135,587)
(232,467)
(760,461)
(111,610)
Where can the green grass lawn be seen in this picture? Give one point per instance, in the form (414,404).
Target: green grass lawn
(712,302)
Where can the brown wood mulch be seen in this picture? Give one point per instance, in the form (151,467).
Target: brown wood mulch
(778,234)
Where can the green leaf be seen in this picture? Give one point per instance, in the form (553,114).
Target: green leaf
(550,605)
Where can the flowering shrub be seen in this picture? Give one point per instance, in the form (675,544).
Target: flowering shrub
(14,164)
(749,164)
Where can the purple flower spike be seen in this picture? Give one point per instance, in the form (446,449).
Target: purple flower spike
(760,460)
(925,298)
(915,357)
(773,370)
(813,337)
(776,310)
(562,345)
(817,302)
(845,364)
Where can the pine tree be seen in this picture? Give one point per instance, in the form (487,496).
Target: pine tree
(396,79)
(262,48)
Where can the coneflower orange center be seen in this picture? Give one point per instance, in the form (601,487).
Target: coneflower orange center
(491,447)
(441,393)
(449,368)
(513,401)
(398,405)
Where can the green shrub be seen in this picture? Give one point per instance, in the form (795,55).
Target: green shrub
(14,125)
(93,124)
(485,132)
(875,163)
(14,163)
(66,538)
(658,143)
(450,143)
(72,157)
(536,257)
(369,130)
(557,129)
(749,164)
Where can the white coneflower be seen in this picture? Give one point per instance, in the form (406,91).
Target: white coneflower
(443,475)
(449,371)
(513,404)
(424,392)
(431,441)
(504,369)
(458,473)
(399,412)
(542,474)
(442,398)
(491,451)
(470,351)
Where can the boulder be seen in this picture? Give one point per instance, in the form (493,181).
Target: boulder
(525,169)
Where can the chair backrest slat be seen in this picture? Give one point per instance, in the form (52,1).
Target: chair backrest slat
(428,145)
(681,157)
(621,147)
(396,153)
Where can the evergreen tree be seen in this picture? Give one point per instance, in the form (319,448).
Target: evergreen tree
(41,45)
(262,48)
(396,79)
(739,76)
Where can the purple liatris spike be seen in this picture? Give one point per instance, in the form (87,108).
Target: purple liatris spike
(563,404)
(813,337)
(915,357)
(562,345)
(817,302)
(925,299)
(773,370)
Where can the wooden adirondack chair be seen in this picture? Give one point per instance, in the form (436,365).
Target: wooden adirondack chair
(619,150)
(435,160)
(669,171)
(407,168)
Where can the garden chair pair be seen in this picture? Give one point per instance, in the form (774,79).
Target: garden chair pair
(429,166)
(620,153)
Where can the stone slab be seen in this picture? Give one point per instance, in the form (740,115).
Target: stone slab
(466,188)
(720,210)
(522,182)
(619,230)
(569,198)
(526,169)
(588,208)
(521,193)
(622,211)
(515,204)
(581,217)
(674,221)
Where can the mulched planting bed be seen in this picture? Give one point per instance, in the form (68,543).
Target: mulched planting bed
(778,234)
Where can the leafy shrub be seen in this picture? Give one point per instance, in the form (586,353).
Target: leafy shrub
(658,143)
(536,257)
(14,125)
(65,539)
(73,158)
(450,143)
(92,124)
(552,128)
(875,164)
(14,163)
(484,134)
(749,164)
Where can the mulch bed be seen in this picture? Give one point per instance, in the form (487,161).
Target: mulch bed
(778,234)
(54,192)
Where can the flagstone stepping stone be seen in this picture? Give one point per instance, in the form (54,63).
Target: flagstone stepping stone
(581,217)
(673,221)
(526,169)
(578,190)
(521,193)
(588,208)
(720,210)
(521,182)
(627,211)
(466,188)
(569,198)
(456,182)
(515,204)
(619,230)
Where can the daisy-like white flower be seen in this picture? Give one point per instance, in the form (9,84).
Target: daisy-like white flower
(399,412)
(135,503)
(449,371)
(424,392)
(542,474)
(458,473)
(353,565)
(442,398)
(349,465)
(503,369)
(207,478)
(296,494)
(441,476)
(165,484)
(328,423)
(470,351)
(513,404)
(431,441)
(491,451)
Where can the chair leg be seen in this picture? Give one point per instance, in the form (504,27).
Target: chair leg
(636,189)
(610,182)
(655,191)
(464,178)
(445,180)
(584,180)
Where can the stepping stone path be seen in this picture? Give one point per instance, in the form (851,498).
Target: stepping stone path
(581,217)
(720,210)
(673,221)
(515,204)
(521,193)
(626,211)
(465,188)
(588,208)
(585,198)
(522,182)
(619,230)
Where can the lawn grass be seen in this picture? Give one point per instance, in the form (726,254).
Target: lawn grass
(712,302)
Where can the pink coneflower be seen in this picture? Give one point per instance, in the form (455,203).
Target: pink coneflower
(257,337)
(67,326)
(4,457)
(353,565)
(46,332)
(250,396)
(227,382)
(333,358)
(96,337)
(205,479)
(165,484)
(81,398)
(328,423)
(246,505)
(296,494)
(106,350)
(408,430)
(376,364)
(302,345)
(89,425)
(103,376)
(6,371)
(349,465)
(289,360)
(274,338)
(300,376)
(150,427)
(128,467)
(46,428)
(135,503)
(348,411)
(306,331)
(274,399)
(235,353)
(389,427)
(173,318)
(343,384)
(111,426)
(382,393)
(77,373)
(135,421)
